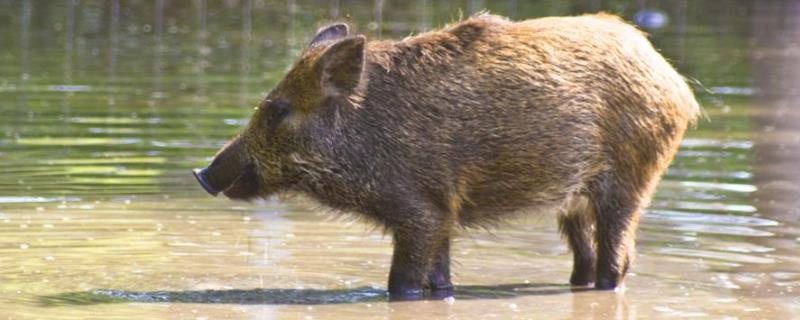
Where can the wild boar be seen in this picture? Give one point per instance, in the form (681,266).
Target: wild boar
(463,126)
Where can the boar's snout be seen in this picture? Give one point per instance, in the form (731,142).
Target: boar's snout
(230,172)
(200,175)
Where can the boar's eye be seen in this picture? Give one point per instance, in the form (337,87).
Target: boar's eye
(276,111)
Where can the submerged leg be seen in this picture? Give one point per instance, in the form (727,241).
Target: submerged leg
(617,213)
(417,258)
(439,277)
(411,264)
(577,227)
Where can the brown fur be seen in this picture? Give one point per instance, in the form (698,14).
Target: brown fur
(464,125)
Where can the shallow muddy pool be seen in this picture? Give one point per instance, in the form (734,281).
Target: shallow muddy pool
(105,106)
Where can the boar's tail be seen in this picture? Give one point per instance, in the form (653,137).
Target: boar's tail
(693,108)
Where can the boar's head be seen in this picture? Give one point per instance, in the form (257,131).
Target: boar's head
(262,159)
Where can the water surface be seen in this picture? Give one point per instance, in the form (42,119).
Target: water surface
(106,105)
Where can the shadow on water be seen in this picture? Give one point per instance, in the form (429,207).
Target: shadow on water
(292,296)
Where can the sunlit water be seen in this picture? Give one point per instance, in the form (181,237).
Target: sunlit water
(105,106)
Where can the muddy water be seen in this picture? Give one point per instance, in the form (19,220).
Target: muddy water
(105,106)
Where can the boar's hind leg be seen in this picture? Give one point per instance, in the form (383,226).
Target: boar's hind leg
(576,226)
(416,248)
(617,208)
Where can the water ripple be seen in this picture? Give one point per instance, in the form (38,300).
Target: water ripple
(714,143)
(716,255)
(683,216)
(24,199)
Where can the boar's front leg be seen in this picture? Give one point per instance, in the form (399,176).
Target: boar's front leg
(421,259)
(439,276)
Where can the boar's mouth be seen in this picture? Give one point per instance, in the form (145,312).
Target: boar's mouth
(242,185)
(245,186)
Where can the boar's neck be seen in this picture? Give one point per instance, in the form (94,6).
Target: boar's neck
(395,131)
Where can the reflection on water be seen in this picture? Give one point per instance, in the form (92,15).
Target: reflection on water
(107,105)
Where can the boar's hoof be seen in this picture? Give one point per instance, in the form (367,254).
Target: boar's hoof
(442,292)
(605,284)
(406,294)
(581,279)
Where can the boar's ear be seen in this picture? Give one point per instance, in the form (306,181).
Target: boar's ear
(329,33)
(341,66)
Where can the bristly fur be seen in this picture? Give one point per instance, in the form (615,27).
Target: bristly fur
(468,124)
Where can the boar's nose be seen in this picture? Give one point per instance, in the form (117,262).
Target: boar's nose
(200,175)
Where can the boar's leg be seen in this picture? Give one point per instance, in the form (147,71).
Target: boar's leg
(617,210)
(576,227)
(439,277)
(416,246)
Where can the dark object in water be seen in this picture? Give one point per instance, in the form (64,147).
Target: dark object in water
(651,19)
